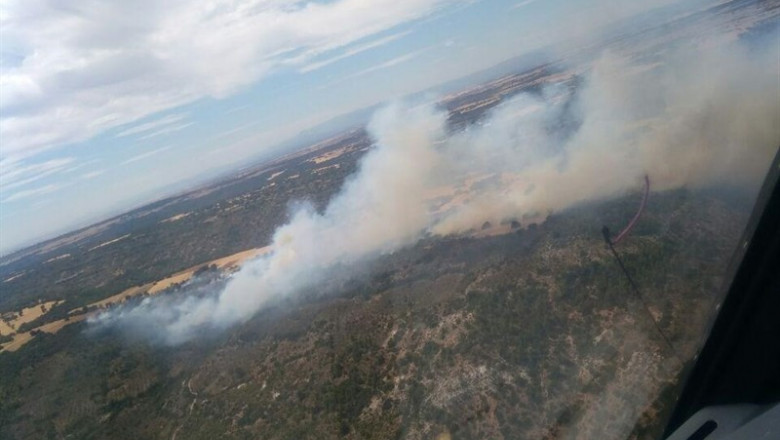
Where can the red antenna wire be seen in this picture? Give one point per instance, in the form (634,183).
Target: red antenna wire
(633,221)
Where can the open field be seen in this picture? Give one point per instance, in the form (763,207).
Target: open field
(228,263)
(11,321)
(19,339)
(330,155)
(224,263)
(176,217)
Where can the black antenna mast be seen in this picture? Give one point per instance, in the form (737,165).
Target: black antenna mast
(634,288)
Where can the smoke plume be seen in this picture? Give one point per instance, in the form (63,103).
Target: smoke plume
(694,117)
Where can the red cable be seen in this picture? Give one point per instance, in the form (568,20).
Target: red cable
(633,221)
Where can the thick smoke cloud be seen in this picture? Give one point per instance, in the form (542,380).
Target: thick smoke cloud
(701,120)
(697,117)
(380,209)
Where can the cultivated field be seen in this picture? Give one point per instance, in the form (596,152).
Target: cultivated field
(29,314)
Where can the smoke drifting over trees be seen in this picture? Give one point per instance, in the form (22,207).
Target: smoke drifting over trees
(695,117)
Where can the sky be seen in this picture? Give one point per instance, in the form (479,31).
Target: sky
(105,105)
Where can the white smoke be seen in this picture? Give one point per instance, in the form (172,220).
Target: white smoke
(380,209)
(695,118)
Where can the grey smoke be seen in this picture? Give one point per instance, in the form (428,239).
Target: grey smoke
(697,117)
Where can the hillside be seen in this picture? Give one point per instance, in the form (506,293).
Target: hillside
(529,334)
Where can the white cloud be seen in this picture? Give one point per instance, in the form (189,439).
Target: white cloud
(166,130)
(145,155)
(92,174)
(237,109)
(235,130)
(86,67)
(522,3)
(390,63)
(27,193)
(147,126)
(16,173)
(354,51)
